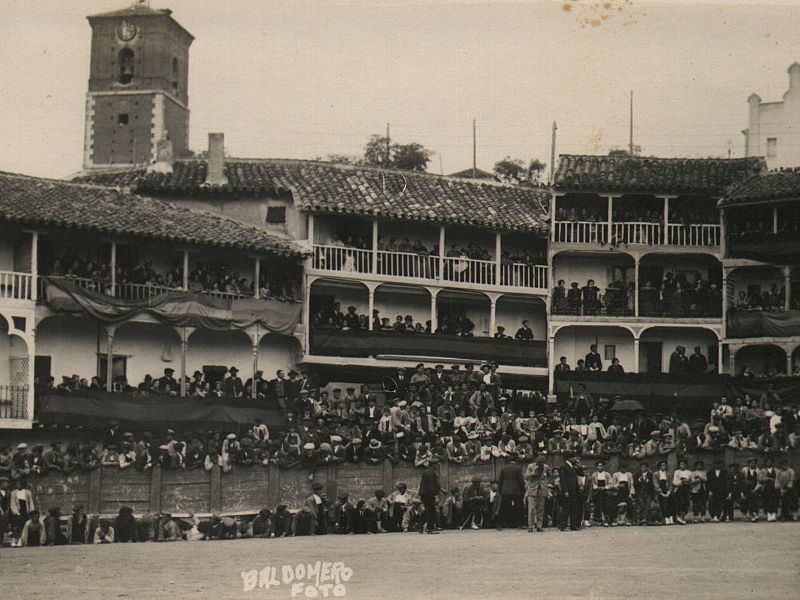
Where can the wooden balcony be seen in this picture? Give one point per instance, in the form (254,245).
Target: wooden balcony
(448,271)
(696,235)
(16,287)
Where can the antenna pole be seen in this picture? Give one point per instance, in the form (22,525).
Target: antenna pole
(474,150)
(388,145)
(630,143)
(553,153)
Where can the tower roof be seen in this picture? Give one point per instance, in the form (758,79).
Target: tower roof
(138,9)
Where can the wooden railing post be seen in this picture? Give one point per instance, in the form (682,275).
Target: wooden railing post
(95,485)
(155,490)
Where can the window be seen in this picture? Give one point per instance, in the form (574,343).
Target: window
(276,215)
(175,74)
(122,119)
(610,351)
(772,147)
(119,367)
(125,64)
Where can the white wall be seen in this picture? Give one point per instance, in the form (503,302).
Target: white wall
(510,315)
(574,343)
(219,348)
(392,301)
(72,345)
(670,339)
(275,352)
(150,348)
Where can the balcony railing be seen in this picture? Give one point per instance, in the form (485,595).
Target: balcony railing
(13,401)
(610,302)
(693,235)
(408,264)
(411,265)
(15,286)
(637,233)
(581,232)
(338,258)
(630,232)
(140,291)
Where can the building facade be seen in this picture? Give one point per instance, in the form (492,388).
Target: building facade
(773,130)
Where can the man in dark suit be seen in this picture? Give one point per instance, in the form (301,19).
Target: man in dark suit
(233,386)
(718,490)
(429,488)
(645,492)
(569,489)
(593,360)
(511,486)
(562,366)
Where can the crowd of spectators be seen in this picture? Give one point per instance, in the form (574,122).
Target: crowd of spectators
(767,299)
(755,228)
(676,296)
(459,416)
(212,278)
(455,322)
(589,300)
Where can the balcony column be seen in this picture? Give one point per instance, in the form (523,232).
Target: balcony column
(553,218)
(493,298)
(185,282)
(787,287)
(498,251)
(257,277)
(113,269)
(434,316)
(310,229)
(723,242)
(442,253)
(307,313)
(551,362)
(371,308)
(774,219)
(610,219)
(110,331)
(255,336)
(788,351)
(636,286)
(719,358)
(636,354)
(184,333)
(34,272)
(374,253)
(725,300)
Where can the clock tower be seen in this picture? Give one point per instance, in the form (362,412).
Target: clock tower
(138,83)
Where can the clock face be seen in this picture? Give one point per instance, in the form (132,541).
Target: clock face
(126,31)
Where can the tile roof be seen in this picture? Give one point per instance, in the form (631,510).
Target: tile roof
(639,174)
(322,187)
(32,201)
(473,174)
(766,187)
(134,10)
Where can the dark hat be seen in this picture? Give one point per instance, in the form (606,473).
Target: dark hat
(316,486)
(233,370)
(197,374)
(169,370)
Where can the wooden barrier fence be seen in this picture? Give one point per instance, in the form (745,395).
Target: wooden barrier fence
(246,490)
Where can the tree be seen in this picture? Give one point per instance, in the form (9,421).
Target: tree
(516,171)
(343,159)
(637,151)
(411,157)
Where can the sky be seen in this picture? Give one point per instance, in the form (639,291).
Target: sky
(297,79)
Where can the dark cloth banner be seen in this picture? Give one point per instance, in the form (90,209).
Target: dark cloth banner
(782,248)
(336,342)
(182,309)
(657,392)
(94,409)
(787,389)
(755,323)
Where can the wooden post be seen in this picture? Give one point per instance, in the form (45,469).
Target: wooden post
(216,489)
(492,316)
(371,308)
(787,288)
(434,315)
(110,357)
(113,269)
(184,347)
(610,219)
(498,251)
(374,250)
(155,489)
(442,252)
(95,485)
(636,286)
(257,277)
(34,269)
(666,221)
(185,274)
(636,354)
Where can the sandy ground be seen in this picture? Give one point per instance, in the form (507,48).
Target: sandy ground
(727,561)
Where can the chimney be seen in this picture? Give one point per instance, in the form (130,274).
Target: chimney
(794,76)
(216,159)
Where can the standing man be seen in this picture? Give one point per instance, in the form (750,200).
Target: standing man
(537,491)
(697,364)
(524,333)
(233,386)
(682,482)
(511,485)
(569,490)
(278,389)
(677,361)
(644,492)
(429,489)
(593,361)
(717,483)
(603,494)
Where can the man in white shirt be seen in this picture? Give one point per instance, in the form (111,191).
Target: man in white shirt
(603,493)
(682,482)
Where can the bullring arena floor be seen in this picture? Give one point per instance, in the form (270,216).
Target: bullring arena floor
(732,560)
